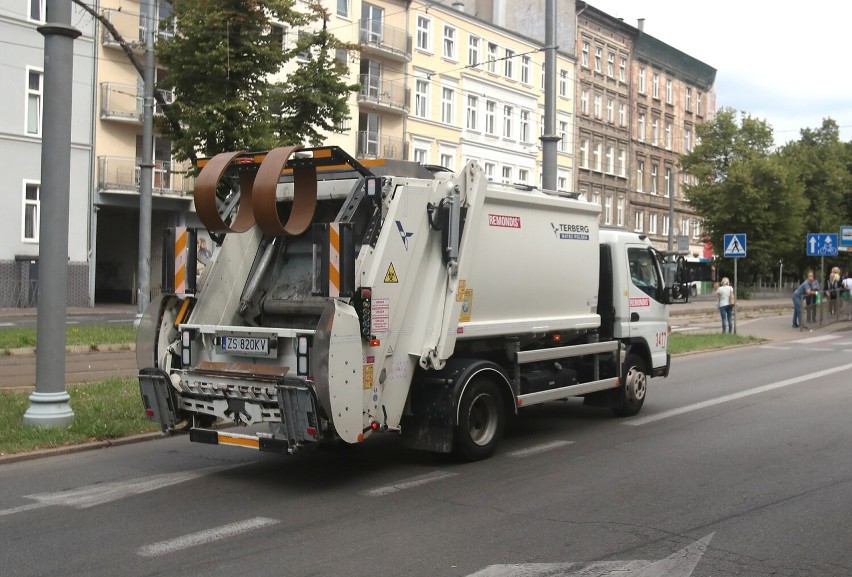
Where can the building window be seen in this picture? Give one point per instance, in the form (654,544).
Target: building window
(448,96)
(610,65)
(35,94)
(447,160)
(525,69)
(622,162)
(424,33)
(563,83)
(450,43)
(622,114)
(421,155)
(490,113)
(684,226)
(473,51)
(653,179)
(622,69)
(31,212)
(596,157)
(523,175)
(543,73)
(652,223)
(640,127)
(563,136)
(655,132)
(585,55)
(668,135)
(640,176)
(610,110)
(598,58)
(688,99)
(509,63)
(37,10)
(492,58)
(279,38)
(655,86)
(619,212)
(698,104)
(524,135)
(584,102)
(666,224)
(598,105)
(343,8)
(608,209)
(561,183)
(667,181)
(610,160)
(687,140)
(639,221)
(508,112)
(472,114)
(641,81)
(507,175)
(421,97)
(696,228)
(489,170)
(584,153)
(669,91)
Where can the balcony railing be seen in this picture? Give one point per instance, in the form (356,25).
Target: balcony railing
(116,174)
(389,94)
(388,40)
(374,145)
(130,26)
(124,101)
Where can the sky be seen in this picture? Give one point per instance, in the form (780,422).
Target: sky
(785,63)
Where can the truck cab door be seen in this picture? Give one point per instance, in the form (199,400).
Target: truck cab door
(646,304)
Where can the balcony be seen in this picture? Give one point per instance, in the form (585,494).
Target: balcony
(374,145)
(121,175)
(384,40)
(130,26)
(123,102)
(391,95)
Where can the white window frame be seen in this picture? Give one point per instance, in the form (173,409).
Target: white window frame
(509,63)
(642,75)
(506,174)
(688,99)
(490,117)
(698,104)
(489,171)
(563,83)
(619,212)
(597,106)
(655,132)
(640,176)
(597,154)
(652,223)
(610,110)
(523,176)
(655,86)
(563,136)
(584,61)
(584,153)
(610,160)
(608,209)
(42,9)
(474,43)
(654,174)
(472,113)
(508,126)
(622,114)
(448,105)
(666,224)
(424,33)
(450,48)
(669,91)
(524,131)
(36,206)
(492,52)
(598,58)
(622,162)
(420,154)
(696,228)
(38,94)
(622,69)
(610,65)
(687,140)
(638,221)
(421,97)
(525,70)
(640,127)
(584,101)
(346,8)
(446,159)
(668,135)
(668,182)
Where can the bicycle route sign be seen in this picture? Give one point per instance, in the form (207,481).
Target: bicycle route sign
(821,244)
(735,245)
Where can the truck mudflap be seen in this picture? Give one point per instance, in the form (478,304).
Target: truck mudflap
(158,397)
(299,425)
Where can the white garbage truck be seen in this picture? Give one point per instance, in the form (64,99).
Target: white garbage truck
(354,298)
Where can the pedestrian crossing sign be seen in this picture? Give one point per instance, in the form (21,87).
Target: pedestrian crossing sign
(735,245)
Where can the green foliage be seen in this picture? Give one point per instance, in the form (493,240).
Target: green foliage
(103,410)
(92,336)
(221,62)
(694,342)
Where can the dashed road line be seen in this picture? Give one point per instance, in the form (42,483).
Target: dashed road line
(742,394)
(407,483)
(536,449)
(206,536)
(811,340)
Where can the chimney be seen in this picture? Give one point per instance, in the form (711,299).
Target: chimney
(458,5)
(641,25)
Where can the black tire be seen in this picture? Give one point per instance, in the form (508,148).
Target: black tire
(631,395)
(482,418)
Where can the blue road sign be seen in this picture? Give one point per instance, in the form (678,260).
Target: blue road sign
(846,236)
(735,245)
(821,244)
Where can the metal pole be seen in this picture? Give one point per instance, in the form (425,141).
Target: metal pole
(49,402)
(549,138)
(736,292)
(671,216)
(146,166)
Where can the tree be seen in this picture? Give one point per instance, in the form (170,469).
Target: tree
(221,63)
(742,187)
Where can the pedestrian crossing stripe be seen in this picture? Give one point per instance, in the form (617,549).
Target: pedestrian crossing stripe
(391,277)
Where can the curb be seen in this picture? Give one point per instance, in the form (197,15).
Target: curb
(77,349)
(71,449)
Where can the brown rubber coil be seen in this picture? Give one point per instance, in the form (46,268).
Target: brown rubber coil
(205,195)
(304,194)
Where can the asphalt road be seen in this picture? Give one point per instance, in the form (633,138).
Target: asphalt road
(739,464)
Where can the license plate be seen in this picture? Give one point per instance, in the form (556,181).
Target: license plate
(251,346)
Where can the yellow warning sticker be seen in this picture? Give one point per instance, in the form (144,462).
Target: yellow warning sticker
(460,291)
(368,377)
(467,306)
(391,277)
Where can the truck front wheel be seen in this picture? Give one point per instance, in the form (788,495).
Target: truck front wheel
(482,418)
(631,395)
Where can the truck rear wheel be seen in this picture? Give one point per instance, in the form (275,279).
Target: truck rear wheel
(482,418)
(631,395)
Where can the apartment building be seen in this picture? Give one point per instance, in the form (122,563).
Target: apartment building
(604,45)
(21,131)
(672,92)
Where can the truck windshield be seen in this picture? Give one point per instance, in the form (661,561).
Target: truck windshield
(644,271)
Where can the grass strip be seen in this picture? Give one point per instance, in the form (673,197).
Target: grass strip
(85,335)
(692,342)
(103,410)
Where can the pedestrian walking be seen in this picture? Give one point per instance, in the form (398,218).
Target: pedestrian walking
(725,300)
(804,292)
(846,295)
(832,290)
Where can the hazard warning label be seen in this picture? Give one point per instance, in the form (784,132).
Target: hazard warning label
(391,277)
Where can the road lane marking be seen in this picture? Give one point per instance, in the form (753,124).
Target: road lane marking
(774,348)
(7,324)
(536,449)
(732,397)
(816,350)
(22,508)
(811,340)
(206,536)
(407,483)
